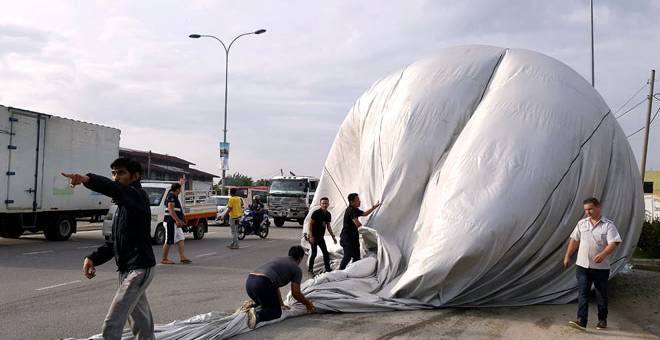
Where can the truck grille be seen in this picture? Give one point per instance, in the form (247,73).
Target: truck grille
(286,203)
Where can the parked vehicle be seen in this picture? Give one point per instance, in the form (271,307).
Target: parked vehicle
(195,205)
(289,198)
(35,148)
(246,225)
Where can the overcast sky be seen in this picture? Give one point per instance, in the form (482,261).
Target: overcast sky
(131,65)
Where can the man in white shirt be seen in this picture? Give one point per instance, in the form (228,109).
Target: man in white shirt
(597,238)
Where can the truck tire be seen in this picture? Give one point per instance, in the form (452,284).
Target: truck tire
(279,221)
(200,229)
(159,235)
(11,231)
(61,228)
(301,221)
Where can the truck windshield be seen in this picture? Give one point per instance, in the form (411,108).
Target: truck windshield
(155,195)
(288,187)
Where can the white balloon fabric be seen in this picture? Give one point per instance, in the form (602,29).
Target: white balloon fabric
(481,157)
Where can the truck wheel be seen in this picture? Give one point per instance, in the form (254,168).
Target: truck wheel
(301,221)
(159,235)
(11,231)
(61,230)
(200,229)
(279,221)
(241,232)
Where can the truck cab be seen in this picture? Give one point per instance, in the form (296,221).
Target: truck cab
(289,198)
(196,206)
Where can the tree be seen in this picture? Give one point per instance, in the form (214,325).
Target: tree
(238,179)
(262,182)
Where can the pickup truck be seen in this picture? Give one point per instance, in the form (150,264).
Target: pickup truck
(195,204)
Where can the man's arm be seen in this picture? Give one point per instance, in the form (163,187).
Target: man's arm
(572,246)
(370,210)
(611,247)
(170,208)
(327,226)
(103,185)
(100,256)
(298,295)
(310,236)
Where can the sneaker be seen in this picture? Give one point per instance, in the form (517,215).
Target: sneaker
(602,324)
(578,324)
(247,304)
(233,246)
(251,318)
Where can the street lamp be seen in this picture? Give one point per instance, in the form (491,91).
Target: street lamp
(227,48)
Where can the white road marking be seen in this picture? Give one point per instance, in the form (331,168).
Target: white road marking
(86,247)
(208,254)
(58,285)
(38,252)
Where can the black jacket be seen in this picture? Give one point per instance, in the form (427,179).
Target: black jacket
(130,244)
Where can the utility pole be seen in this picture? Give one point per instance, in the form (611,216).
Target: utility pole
(648,124)
(593,81)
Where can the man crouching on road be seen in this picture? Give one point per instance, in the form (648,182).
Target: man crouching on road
(130,245)
(263,287)
(597,238)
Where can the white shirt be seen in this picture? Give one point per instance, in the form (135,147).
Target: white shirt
(593,240)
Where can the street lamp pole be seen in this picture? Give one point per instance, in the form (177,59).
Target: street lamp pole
(226,48)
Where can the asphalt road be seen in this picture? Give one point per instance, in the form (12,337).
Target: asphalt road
(45,296)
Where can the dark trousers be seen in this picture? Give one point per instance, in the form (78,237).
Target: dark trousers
(319,242)
(586,277)
(351,252)
(264,294)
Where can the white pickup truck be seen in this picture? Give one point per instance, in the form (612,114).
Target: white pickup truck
(195,204)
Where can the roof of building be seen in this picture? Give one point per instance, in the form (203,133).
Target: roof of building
(154,156)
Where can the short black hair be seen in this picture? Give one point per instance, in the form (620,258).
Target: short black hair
(297,252)
(592,200)
(232,191)
(175,187)
(351,197)
(324,199)
(129,164)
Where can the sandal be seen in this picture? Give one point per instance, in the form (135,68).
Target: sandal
(186,261)
(166,261)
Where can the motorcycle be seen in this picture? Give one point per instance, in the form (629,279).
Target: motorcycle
(246,225)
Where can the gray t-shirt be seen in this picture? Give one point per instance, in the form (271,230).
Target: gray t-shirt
(281,271)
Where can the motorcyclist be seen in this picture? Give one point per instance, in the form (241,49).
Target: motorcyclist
(258,212)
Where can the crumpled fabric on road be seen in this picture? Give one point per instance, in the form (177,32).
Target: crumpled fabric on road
(481,157)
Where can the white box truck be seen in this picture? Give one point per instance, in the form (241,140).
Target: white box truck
(35,148)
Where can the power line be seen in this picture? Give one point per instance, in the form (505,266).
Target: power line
(631,98)
(642,129)
(632,108)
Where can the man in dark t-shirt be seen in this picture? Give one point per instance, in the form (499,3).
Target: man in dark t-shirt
(349,237)
(263,287)
(319,222)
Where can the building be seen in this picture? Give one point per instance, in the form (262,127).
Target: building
(654,177)
(160,167)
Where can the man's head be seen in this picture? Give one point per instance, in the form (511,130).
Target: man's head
(325,203)
(256,199)
(176,189)
(354,200)
(297,253)
(125,171)
(232,192)
(591,208)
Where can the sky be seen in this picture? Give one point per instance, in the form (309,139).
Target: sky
(130,65)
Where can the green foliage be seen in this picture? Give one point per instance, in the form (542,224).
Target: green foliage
(649,240)
(238,179)
(262,182)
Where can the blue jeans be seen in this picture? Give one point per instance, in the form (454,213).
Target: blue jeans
(264,294)
(585,278)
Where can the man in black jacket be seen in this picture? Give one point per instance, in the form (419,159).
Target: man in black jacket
(130,246)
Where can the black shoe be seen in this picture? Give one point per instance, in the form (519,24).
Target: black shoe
(579,324)
(602,324)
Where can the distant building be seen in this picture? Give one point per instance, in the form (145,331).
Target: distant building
(654,177)
(160,167)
